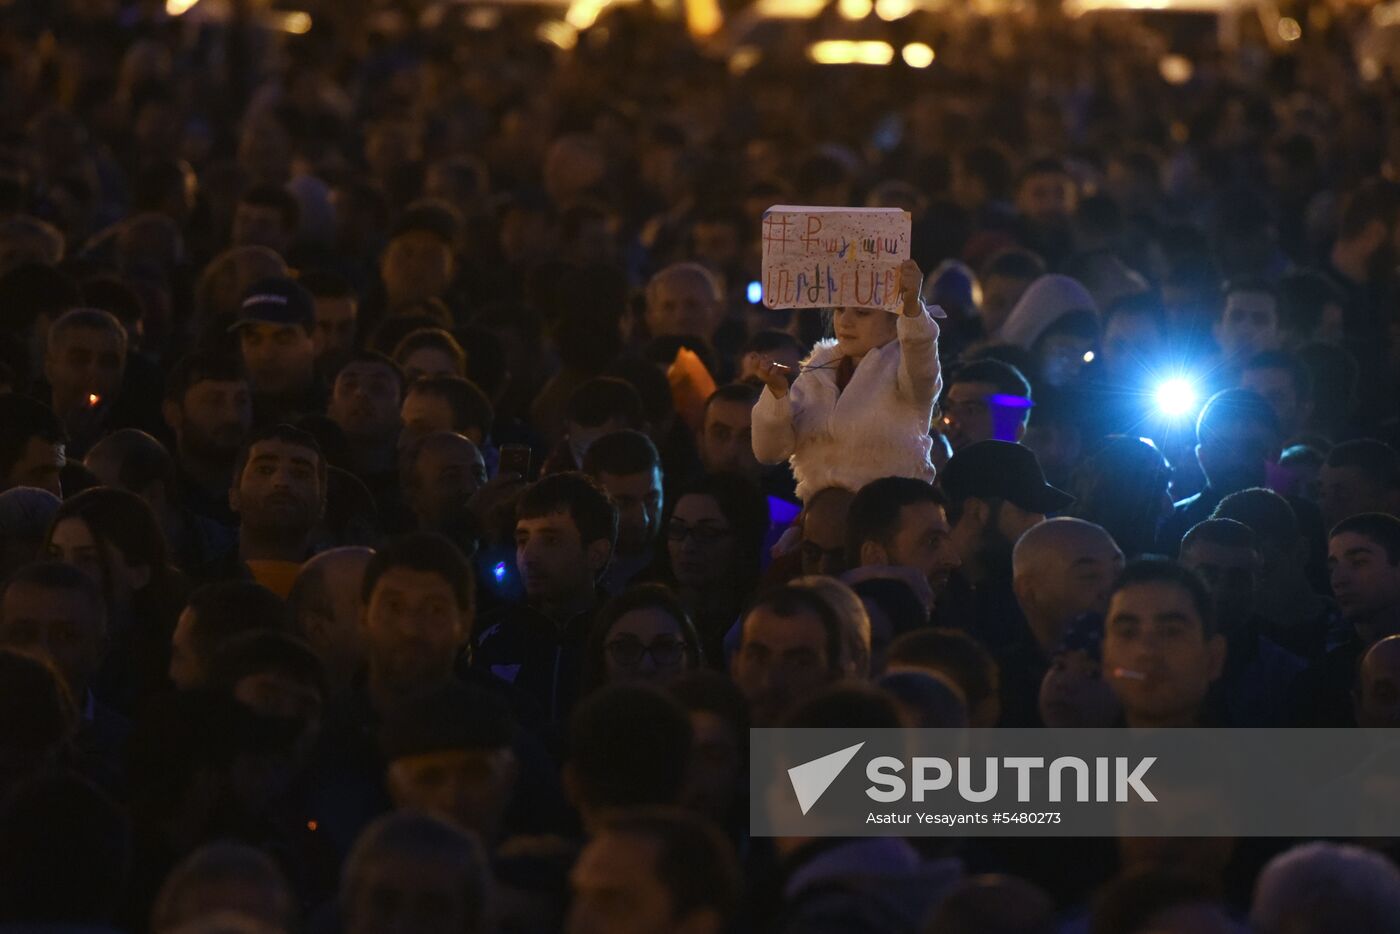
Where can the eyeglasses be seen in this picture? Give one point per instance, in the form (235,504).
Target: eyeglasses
(628,651)
(703,534)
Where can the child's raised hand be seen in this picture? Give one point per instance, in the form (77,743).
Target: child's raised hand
(911,281)
(774,376)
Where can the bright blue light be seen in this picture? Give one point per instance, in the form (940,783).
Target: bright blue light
(1176,397)
(499,571)
(1007,401)
(755,292)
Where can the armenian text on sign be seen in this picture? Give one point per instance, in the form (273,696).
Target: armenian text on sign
(817,257)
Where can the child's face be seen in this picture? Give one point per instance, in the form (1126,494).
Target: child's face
(861,330)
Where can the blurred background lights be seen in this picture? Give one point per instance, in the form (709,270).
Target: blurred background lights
(1175,69)
(851,52)
(893,9)
(917,55)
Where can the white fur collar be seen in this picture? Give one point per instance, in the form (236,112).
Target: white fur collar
(823,352)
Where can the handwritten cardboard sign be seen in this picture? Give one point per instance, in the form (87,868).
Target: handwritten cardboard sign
(833,257)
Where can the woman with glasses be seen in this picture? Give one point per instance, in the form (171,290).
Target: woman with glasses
(714,534)
(642,634)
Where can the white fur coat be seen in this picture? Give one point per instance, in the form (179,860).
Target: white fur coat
(877,427)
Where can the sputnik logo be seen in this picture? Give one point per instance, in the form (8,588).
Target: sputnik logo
(810,780)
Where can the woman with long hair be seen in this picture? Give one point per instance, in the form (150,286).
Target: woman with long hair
(714,533)
(113,537)
(642,634)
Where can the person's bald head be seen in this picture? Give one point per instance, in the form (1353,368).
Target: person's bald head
(1378,685)
(326,605)
(824,531)
(1062,569)
(439,472)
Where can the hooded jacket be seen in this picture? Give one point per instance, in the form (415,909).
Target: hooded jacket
(878,426)
(1048,299)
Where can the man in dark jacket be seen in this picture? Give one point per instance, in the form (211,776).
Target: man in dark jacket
(565,532)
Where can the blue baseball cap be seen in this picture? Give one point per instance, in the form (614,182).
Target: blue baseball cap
(277,300)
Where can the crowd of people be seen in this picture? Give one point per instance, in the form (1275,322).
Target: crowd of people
(407,504)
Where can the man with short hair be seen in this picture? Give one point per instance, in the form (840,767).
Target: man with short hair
(56,611)
(209,408)
(825,527)
(276,321)
(1062,569)
(789,648)
(419,606)
(983,400)
(1359,476)
(336,308)
(446,403)
(598,407)
(438,474)
(565,533)
(266,215)
(996,492)
(418,600)
(1237,434)
(684,300)
(1249,323)
(654,871)
(325,604)
(628,746)
(726,433)
(1045,200)
(1005,278)
(1258,674)
(365,401)
(1363,555)
(279,494)
(1284,383)
(627,465)
(33,445)
(84,363)
(1377,694)
(418,262)
(1161,651)
(901,522)
(1291,612)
